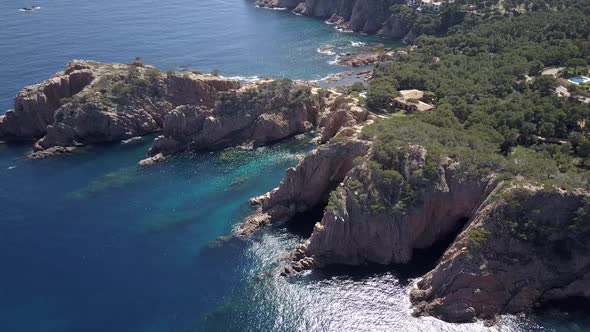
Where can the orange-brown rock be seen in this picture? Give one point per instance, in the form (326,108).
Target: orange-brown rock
(91,102)
(307,185)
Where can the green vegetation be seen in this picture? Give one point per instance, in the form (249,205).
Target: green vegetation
(355,184)
(495,113)
(273,97)
(334,200)
(478,237)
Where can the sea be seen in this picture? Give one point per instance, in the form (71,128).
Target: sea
(90,242)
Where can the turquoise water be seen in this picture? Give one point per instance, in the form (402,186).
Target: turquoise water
(92,243)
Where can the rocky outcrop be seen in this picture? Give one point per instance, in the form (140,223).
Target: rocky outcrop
(90,102)
(35,106)
(398,26)
(364,59)
(519,245)
(369,16)
(257,115)
(307,185)
(365,222)
(343,117)
(254,116)
(524,247)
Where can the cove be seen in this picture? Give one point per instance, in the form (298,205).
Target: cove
(90,242)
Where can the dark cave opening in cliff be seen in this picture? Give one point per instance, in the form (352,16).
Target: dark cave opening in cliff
(425,259)
(567,308)
(302,223)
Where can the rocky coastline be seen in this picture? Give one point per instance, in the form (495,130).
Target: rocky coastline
(90,103)
(519,244)
(366,16)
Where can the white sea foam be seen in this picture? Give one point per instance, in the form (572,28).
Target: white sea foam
(340,29)
(248,79)
(326,52)
(335,60)
(357,44)
(28,10)
(269,8)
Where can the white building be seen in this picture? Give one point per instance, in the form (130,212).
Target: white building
(428,5)
(431,5)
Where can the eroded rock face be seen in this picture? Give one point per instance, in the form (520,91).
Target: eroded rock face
(258,115)
(35,106)
(397,27)
(522,246)
(367,222)
(289,4)
(357,15)
(255,116)
(343,117)
(525,246)
(307,185)
(90,102)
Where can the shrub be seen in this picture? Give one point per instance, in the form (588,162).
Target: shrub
(478,237)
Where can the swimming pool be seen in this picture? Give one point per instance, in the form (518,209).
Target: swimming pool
(579,80)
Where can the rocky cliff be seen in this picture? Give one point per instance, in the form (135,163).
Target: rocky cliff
(305,186)
(515,245)
(90,102)
(525,246)
(35,106)
(369,16)
(256,115)
(386,219)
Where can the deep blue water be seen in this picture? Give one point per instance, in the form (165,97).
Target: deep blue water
(230,35)
(92,243)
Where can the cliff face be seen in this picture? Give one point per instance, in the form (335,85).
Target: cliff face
(92,103)
(307,185)
(524,247)
(254,115)
(35,106)
(258,115)
(367,16)
(365,221)
(398,26)
(519,245)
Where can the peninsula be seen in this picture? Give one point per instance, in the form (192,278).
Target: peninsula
(476,134)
